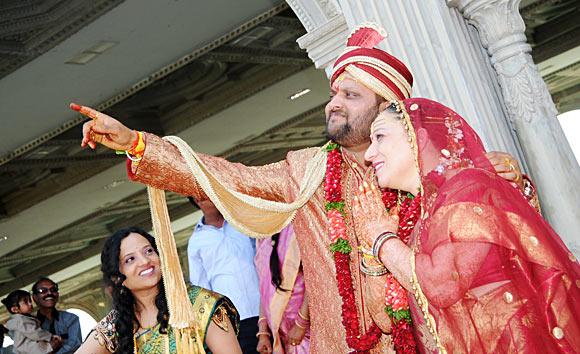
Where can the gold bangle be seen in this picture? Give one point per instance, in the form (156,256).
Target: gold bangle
(299,325)
(263,333)
(303,317)
(374,271)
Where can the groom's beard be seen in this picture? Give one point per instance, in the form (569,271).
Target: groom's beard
(355,130)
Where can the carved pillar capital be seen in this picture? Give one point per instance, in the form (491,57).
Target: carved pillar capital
(501,29)
(327,30)
(326,42)
(500,25)
(314,13)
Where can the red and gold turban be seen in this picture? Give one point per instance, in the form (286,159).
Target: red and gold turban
(381,72)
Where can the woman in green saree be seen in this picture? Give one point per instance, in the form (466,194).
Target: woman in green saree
(138,322)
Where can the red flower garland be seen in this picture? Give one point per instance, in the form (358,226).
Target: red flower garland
(396,300)
(361,343)
(395,294)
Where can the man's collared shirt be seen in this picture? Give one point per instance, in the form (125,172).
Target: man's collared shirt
(222,260)
(66,325)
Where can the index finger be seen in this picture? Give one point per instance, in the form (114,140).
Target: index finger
(85,111)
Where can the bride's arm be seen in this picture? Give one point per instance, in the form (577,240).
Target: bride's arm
(92,346)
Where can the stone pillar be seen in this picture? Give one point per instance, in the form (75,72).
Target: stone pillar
(502,97)
(531,111)
(446,59)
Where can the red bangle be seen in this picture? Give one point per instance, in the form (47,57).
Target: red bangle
(138,149)
(135,142)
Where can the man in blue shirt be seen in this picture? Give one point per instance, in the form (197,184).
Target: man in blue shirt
(60,323)
(222,259)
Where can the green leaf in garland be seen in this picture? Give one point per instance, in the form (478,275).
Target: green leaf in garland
(332,146)
(335,205)
(341,245)
(399,315)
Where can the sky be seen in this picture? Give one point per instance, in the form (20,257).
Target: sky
(570,122)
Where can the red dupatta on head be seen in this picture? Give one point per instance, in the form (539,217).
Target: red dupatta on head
(490,274)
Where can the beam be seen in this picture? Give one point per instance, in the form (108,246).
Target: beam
(143,218)
(13,48)
(258,56)
(286,23)
(57,264)
(549,49)
(552,30)
(562,95)
(67,247)
(225,96)
(57,162)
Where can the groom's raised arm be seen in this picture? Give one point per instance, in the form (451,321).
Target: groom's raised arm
(158,163)
(163,167)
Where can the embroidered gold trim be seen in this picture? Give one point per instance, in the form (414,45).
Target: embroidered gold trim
(371,82)
(424,306)
(385,68)
(416,287)
(413,142)
(220,318)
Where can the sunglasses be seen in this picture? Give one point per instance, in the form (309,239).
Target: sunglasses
(52,289)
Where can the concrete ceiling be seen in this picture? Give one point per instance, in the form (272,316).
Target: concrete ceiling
(147,35)
(219,79)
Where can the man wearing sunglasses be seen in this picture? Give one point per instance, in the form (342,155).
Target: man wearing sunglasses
(61,323)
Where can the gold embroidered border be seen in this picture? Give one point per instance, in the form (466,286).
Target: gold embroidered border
(371,82)
(417,291)
(390,72)
(385,68)
(424,306)
(413,141)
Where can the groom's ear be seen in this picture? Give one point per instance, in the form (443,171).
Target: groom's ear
(383,105)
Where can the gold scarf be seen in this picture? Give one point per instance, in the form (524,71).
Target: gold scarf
(252,216)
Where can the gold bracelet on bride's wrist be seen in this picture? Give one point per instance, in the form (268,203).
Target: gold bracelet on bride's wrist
(374,271)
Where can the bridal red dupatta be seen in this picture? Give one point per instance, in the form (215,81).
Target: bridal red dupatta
(490,274)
